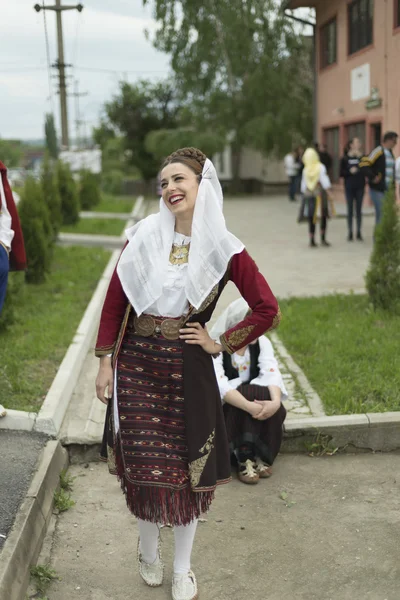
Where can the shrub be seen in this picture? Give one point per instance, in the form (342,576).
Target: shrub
(89,190)
(37,230)
(51,194)
(112,182)
(68,193)
(383,275)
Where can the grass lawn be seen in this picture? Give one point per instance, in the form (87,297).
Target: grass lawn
(96,226)
(117,204)
(349,352)
(47,316)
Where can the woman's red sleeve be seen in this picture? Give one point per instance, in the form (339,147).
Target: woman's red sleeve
(265,314)
(112,315)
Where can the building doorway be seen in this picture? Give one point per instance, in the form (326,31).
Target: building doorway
(357,130)
(376,135)
(332,143)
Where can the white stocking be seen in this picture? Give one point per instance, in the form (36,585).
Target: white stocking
(184,538)
(149,533)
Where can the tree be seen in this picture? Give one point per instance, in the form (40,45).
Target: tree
(37,230)
(162,142)
(136,111)
(51,194)
(51,136)
(237,63)
(69,194)
(383,275)
(89,190)
(10,153)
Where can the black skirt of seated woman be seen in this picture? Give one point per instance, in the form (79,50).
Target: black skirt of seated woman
(246,434)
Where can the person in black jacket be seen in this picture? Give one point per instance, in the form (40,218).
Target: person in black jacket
(354,183)
(379,168)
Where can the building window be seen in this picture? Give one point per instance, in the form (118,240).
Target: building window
(329,44)
(397,13)
(356,130)
(332,145)
(361,20)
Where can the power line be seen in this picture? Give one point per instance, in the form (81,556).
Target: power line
(100,70)
(48,61)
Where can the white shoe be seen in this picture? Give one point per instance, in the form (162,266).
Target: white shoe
(3,411)
(153,574)
(184,587)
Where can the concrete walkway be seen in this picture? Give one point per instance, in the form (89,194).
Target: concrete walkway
(334,537)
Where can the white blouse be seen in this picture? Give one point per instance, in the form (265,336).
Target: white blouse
(173,302)
(323,180)
(267,363)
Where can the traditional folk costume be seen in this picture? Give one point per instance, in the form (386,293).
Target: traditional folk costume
(166,435)
(251,374)
(12,251)
(316,204)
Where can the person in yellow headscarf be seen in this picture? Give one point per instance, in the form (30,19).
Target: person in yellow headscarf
(317,199)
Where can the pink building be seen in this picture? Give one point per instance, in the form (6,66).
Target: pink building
(358,71)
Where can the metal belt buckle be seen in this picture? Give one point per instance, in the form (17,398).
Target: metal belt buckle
(144,325)
(170,328)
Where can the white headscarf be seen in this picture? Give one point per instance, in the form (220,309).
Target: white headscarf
(143,265)
(231,316)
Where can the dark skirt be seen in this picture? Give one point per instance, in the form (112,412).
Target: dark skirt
(151,452)
(264,436)
(309,207)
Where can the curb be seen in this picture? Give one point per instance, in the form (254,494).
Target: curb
(24,543)
(313,400)
(54,407)
(372,432)
(375,432)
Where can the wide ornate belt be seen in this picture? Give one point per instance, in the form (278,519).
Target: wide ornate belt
(147,326)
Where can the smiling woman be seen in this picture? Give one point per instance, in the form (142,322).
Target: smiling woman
(165,429)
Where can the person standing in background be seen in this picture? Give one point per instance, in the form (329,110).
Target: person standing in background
(291,172)
(354,183)
(379,168)
(315,188)
(299,166)
(12,249)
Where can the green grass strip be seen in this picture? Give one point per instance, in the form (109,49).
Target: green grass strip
(47,317)
(348,351)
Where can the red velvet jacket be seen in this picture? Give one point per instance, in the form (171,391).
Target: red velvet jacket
(242,271)
(17,254)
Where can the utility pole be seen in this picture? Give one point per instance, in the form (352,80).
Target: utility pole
(78,120)
(60,64)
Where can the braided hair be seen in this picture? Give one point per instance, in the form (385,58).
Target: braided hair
(191,157)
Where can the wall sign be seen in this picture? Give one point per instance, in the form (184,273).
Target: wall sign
(375,101)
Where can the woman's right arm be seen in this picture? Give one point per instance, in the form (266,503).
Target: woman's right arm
(112,315)
(344,167)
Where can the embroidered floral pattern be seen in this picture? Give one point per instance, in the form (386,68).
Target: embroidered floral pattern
(237,337)
(196,467)
(276,320)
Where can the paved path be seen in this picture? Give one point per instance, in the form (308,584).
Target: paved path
(339,541)
(19,452)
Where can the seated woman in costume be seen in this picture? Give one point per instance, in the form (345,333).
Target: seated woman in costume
(252,389)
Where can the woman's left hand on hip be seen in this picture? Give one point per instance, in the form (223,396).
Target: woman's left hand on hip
(194,333)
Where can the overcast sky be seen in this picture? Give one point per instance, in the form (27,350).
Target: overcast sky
(107,34)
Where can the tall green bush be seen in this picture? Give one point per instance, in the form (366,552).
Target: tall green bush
(112,182)
(383,275)
(89,190)
(69,194)
(37,230)
(51,194)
